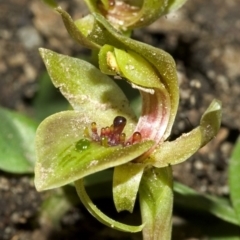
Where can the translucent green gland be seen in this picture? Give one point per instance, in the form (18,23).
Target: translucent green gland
(108,136)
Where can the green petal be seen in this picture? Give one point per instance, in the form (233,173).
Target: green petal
(60,161)
(126,180)
(88,90)
(100,216)
(156,200)
(185,146)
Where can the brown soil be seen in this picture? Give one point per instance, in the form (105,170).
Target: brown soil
(204,39)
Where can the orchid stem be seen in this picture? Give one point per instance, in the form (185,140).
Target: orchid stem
(156,202)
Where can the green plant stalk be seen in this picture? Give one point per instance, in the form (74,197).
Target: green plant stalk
(156,203)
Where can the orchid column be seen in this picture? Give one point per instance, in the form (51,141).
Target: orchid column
(102,131)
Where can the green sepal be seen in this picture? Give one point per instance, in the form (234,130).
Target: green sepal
(88,90)
(156,200)
(126,180)
(187,144)
(100,216)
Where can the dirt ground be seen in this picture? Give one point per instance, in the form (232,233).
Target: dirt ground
(204,39)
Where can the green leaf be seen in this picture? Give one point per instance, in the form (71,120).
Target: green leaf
(88,90)
(17,154)
(100,216)
(187,144)
(126,180)
(190,199)
(64,155)
(156,200)
(234,178)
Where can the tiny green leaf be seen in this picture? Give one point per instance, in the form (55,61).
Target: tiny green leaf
(234,178)
(17,154)
(100,215)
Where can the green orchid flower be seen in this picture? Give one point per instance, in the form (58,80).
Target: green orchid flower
(102,131)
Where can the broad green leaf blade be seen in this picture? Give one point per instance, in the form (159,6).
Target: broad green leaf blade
(17,133)
(185,146)
(156,200)
(126,180)
(64,155)
(88,90)
(219,207)
(100,216)
(234,178)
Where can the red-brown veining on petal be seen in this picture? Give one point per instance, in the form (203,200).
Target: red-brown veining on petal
(154,118)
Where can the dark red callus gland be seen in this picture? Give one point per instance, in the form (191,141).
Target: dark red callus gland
(113,135)
(136,138)
(118,124)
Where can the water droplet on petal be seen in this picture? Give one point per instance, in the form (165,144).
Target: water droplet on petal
(82,144)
